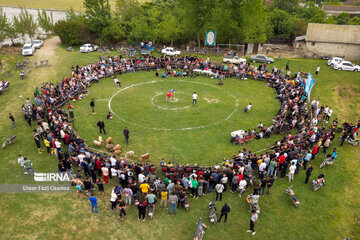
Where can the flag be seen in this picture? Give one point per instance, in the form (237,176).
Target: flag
(210,38)
(309,83)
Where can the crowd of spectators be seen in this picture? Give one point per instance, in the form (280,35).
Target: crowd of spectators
(53,127)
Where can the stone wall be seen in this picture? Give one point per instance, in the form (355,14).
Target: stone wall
(349,51)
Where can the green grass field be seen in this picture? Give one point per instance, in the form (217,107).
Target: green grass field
(330,213)
(77,5)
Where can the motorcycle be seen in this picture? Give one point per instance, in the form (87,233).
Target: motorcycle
(186,203)
(318,183)
(291,193)
(212,213)
(3,86)
(353,141)
(151,210)
(327,161)
(8,141)
(199,233)
(253,201)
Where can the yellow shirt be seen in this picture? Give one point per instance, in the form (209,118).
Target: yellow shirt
(47,143)
(259,162)
(144,187)
(164,195)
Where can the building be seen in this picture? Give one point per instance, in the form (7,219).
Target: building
(335,10)
(330,39)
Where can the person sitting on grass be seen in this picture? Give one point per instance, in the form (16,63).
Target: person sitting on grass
(109,117)
(247,108)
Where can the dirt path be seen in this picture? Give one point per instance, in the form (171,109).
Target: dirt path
(48,50)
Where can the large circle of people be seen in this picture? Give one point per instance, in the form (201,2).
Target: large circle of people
(53,126)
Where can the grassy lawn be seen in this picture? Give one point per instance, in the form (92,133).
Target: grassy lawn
(77,5)
(330,213)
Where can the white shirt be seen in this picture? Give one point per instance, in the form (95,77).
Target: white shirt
(113,161)
(81,157)
(242,184)
(141,178)
(326,110)
(262,166)
(21,161)
(249,106)
(58,144)
(105,171)
(330,112)
(113,172)
(254,217)
(292,169)
(195,96)
(113,196)
(318,68)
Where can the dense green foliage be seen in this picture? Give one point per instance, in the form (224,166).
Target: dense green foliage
(68,31)
(46,22)
(238,21)
(183,22)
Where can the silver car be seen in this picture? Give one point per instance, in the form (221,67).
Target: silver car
(37,43)
(261,59)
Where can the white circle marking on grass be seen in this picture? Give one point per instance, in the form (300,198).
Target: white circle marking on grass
(176,129)
(167,108)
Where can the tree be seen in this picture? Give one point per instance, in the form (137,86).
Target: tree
(355,21)
(46,22)
(112,34)
(4,24)
(300,27)
(167,31)
(320,17)
(25,24)
(284,23)
(255,23)
(127,10)
(68,31)
(97,15)
(196,14)
(288,6)
(225,20)
(343,18)
(19,28)
(140,30)
(313,13)
(12,33)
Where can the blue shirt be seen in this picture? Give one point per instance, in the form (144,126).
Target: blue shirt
(185,181)
(93,201)
(308,157)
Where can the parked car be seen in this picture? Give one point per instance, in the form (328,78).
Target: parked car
(88,48)
(334,60)
(233,59)
(37,43)
(347,66)
(28,49)
(261,59)
(170,51)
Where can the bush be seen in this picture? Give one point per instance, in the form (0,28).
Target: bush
(112,34)
(73,32)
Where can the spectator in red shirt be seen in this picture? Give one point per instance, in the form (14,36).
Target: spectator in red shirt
(314,152)
(98,165)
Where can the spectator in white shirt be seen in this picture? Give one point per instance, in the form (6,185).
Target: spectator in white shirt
(195,97)
(292,169)
(247,108)
(21,161)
